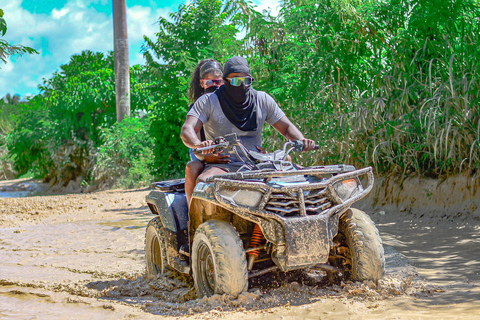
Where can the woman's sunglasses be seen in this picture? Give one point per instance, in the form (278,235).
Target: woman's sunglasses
(237,81)
(209,83)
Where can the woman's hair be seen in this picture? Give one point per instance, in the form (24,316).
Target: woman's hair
(204,67)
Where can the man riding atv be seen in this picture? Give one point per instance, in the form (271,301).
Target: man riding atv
(236,108)
(259,213)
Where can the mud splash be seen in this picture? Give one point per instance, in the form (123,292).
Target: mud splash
(171,295)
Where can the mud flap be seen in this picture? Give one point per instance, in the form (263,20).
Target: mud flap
(307,242)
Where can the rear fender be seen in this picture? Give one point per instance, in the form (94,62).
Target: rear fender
(172,209)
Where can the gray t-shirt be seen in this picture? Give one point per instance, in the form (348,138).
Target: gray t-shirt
(215,124)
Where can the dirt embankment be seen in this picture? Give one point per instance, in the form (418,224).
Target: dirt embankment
(452,198)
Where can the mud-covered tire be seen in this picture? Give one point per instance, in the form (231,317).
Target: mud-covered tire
(155,253)
(219,262)
(365,250)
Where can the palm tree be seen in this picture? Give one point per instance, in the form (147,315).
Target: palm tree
(122,67)
(13,100)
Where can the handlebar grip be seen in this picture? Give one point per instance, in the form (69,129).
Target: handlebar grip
(316,147)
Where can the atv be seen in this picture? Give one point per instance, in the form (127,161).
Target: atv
(270,215)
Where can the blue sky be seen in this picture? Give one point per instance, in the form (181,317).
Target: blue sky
(57,29)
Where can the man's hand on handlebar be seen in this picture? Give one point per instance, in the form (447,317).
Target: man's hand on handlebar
(308,145)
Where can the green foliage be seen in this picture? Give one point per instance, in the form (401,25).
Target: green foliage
(7,115)
(3,24)
(6,49)
(8,112)
(126,156)
(199,30)
(27,143)
(59,131)
(392,84)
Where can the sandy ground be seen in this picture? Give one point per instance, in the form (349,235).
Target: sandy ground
(79,256)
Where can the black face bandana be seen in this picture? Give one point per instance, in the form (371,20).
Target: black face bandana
(210,89)
(239,104)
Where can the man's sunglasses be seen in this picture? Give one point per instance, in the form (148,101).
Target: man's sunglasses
(237,81)
(209,83)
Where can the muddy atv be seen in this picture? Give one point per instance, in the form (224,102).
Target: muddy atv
(270,215)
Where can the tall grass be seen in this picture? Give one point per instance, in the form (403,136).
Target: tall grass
(392,84)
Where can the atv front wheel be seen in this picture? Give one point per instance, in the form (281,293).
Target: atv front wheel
(218,260)
(358,247)
(155,254)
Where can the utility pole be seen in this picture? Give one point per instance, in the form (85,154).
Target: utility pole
(122,65)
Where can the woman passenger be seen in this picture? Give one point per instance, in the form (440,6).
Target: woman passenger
(206,78)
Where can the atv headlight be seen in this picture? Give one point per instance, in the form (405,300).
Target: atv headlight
(242,197)
(346,188)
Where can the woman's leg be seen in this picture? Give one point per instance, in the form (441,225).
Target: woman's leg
(211,171)
(192,171)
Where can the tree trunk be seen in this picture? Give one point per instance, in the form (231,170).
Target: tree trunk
(122,66)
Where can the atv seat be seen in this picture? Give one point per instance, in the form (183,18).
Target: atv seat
(169,185)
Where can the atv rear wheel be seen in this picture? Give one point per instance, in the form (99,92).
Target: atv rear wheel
(218,260)
(155,253)
(358,247)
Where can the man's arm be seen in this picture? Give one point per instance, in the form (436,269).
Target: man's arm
(189,134)
(287,129)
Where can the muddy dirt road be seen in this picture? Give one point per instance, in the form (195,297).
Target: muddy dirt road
(80,256)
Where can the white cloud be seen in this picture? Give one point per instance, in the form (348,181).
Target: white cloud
(269,5)
(75,27)
(6,68)
(57,14)
(63,32)
(141,21)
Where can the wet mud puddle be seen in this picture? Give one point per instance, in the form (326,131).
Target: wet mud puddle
(95,269)
(22,188)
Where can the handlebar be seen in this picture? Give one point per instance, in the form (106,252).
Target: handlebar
(298,146)
(231,142)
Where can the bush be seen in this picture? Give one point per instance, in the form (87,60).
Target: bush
(125,159)
(59,131)
(393,84)
(8,111)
